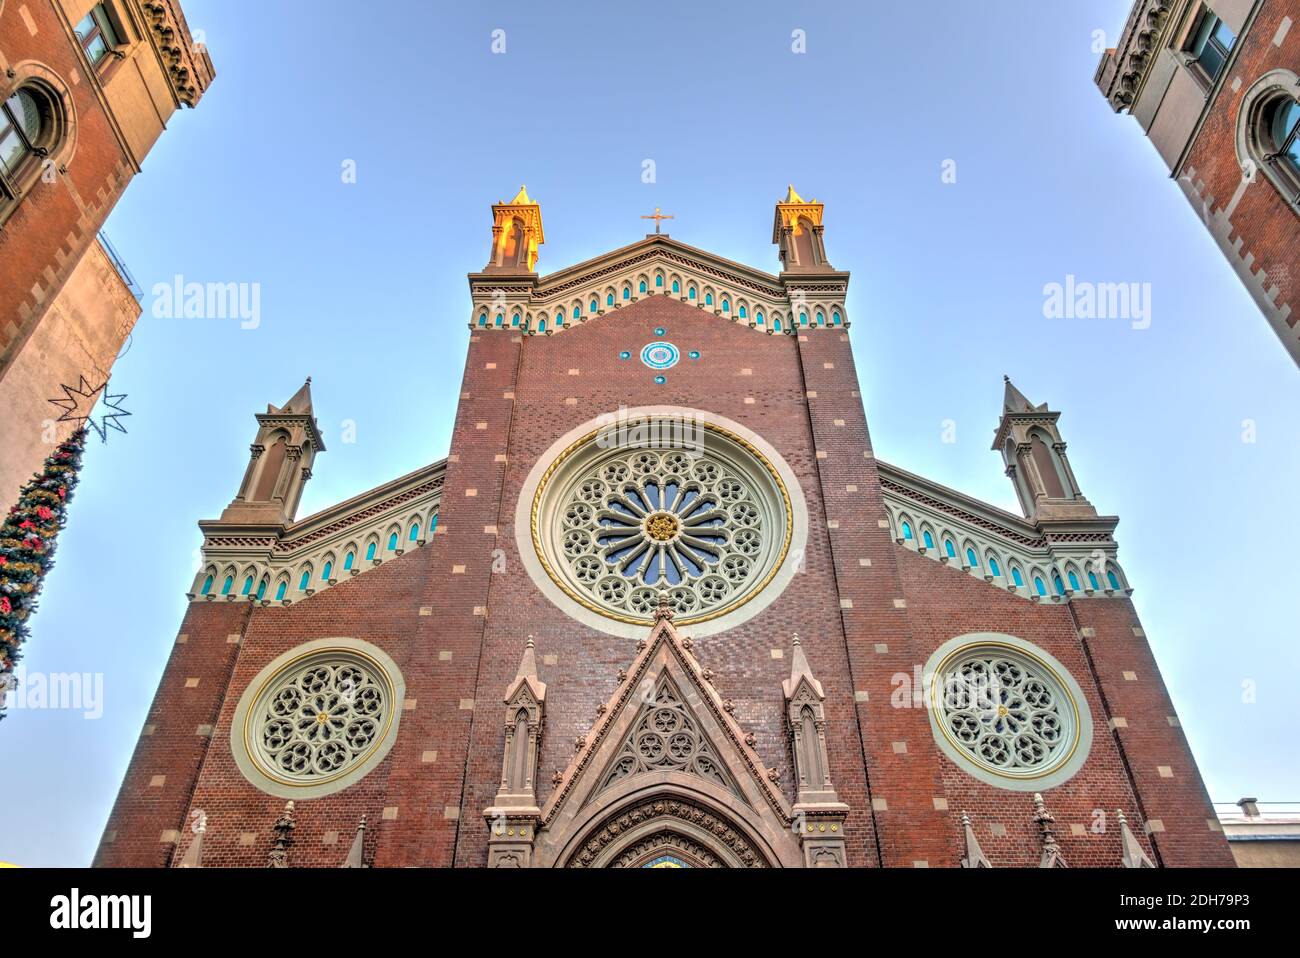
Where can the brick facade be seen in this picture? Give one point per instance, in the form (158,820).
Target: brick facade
(454,616)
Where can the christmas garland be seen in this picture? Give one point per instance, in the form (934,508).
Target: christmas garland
(27,547)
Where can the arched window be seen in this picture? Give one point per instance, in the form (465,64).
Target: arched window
(950,548)
(541,324)
(433,523)
(803,319)
(609,299)
(392,541)
(1280,138)
(227,585)
(482,319)
(370,551)
(642,286)
(708,299)
(248,586)
(993,568)
(690,293)
(500,320)
(415,531)
(972,560)
(207,586)
(261,590)
(741,312)
(907,530)
(1016,577)
(1092,581)
(1045,459)
(305,580)
(1074,582)
(676,287)
(27,130)
(514,320)
(659,279)
(726,305)
(1112,579)
(577,310)
(595,305)
(926,539)
(280,590)
(1039,587)
(1057,584)
(327,572)
(627,292)
(758,317)
(821,318)
(348,560)
(835,318)
(776,325)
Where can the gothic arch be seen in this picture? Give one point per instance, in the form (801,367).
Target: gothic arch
(640,816)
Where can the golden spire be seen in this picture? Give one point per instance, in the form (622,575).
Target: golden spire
(521,198)
(791,196)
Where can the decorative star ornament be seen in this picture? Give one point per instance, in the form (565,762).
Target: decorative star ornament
(79,403)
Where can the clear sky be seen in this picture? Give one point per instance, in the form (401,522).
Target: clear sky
(363,288)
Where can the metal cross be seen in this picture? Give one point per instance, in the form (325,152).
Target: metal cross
(657,217)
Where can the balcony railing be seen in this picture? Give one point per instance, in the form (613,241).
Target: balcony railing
(118,264)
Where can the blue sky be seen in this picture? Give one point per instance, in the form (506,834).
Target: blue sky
(363,288)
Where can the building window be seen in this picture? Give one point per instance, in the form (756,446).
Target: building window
(1038,586)
(1281,139)
(97,36)
(21,132)
(708,299)
(927,539)
(226,586)
(676,287)
(1074,582)
(642,286)
(370,552)
(1092,581)
(415,531)
(1211,44)
(1113,580)
(280,590)
(392,541)
(305,580)
(327,573)
(907,530)
(261,590)
(207,586)
(949,548)
(659,280)
(347,562)
(971,559)
(993,567)
(1016,577)
(248,586)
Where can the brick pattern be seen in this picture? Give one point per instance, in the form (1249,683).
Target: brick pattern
(454,615)
(1264,225)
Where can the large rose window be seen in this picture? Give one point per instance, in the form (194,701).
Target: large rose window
(616,524)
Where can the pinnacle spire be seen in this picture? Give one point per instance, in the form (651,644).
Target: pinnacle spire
(301,401)
(975,857)
(1013,400)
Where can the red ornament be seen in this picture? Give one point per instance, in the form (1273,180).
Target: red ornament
(45,512)
(63,492)
(5,607)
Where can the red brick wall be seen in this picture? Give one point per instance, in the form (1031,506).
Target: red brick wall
(1263,221)
(55,222)
(865,608)
(172,744)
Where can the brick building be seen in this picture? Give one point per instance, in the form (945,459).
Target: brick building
(86,89)
(1214,85)
(661,605)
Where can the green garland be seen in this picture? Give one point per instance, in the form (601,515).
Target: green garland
(27,546)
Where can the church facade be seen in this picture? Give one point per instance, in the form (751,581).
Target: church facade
(661,605)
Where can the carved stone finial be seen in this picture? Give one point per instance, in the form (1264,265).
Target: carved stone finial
(579,744)
(1132,854)
(1052,856)
(622,676)
(557,778)
(975,857)
(283,829)
(356,854)
(664,610)
(729,707)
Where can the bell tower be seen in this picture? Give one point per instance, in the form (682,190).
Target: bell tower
(516,234)
(797,231)
(279,463)
(1034,454)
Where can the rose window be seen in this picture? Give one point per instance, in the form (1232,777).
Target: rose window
(1007,712)
(316,721)
(709,525)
